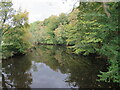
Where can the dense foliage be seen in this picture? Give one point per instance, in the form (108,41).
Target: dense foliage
(92,28)
(98,33)
(55,29)
(14,30)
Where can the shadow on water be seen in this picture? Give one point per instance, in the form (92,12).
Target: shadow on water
(52,67)
(15,72)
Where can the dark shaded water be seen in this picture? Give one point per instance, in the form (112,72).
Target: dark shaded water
(52,67)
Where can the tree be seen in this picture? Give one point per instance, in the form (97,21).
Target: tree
(97,32)
(14,30)
(6,12)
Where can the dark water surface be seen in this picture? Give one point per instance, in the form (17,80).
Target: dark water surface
(52,67)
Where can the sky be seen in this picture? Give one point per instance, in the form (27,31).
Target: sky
(41,9)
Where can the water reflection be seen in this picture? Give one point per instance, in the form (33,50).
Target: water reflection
(16,73)
(51,67)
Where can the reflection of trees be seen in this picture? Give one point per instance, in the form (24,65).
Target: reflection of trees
(15,72)
(82,72)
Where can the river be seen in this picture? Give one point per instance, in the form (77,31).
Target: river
(50,66)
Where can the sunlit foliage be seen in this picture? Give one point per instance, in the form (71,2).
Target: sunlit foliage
(14,30)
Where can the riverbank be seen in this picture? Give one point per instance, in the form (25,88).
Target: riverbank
(53,44)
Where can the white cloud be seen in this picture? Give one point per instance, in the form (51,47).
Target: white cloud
(41,9)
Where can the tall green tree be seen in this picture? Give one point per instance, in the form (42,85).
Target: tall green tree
(14,30)
(97,32)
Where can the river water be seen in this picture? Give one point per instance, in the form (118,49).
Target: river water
(52,67)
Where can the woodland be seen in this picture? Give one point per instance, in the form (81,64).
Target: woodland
(91,29)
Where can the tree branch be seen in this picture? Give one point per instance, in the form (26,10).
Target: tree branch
(105,9)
